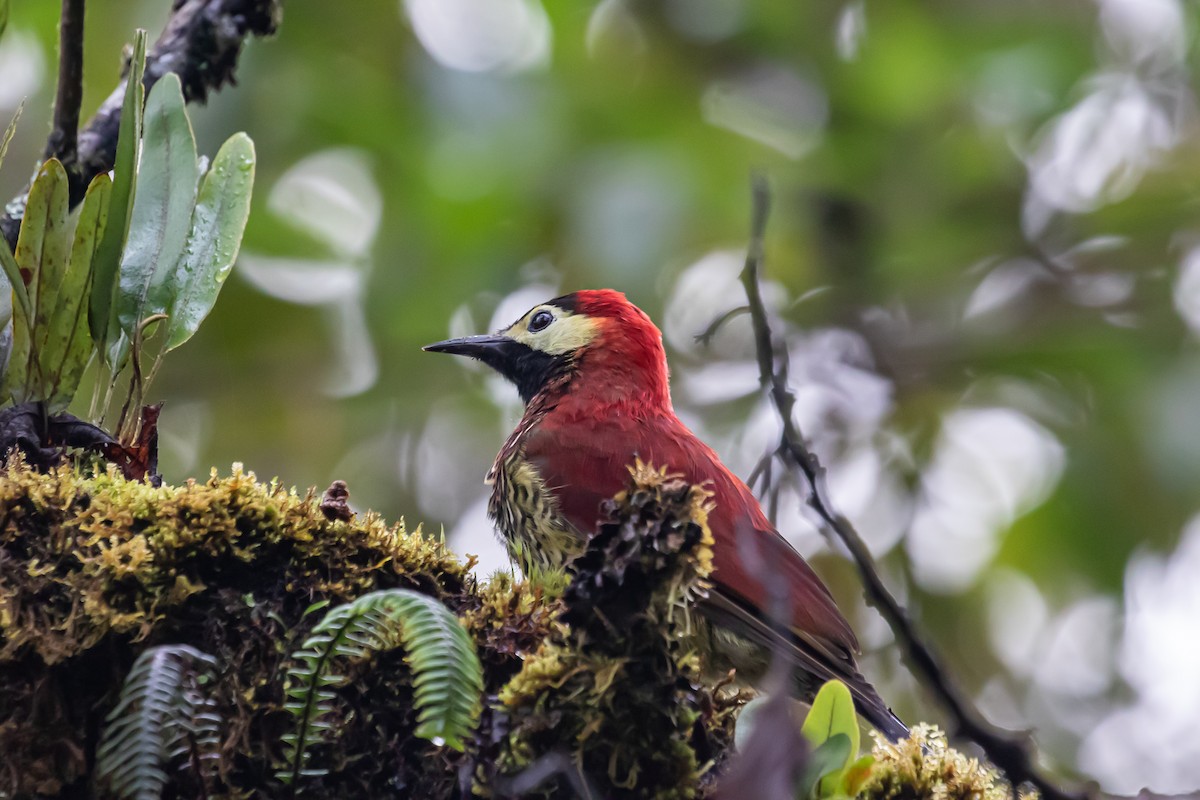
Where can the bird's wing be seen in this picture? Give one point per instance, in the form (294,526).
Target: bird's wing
(586,461)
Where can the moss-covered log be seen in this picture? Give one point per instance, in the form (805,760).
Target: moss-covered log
(602,684)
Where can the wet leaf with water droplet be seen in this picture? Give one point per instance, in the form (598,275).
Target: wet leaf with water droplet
(218,223)
(161,218)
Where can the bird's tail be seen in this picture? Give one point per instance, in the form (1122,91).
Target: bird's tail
(872,708)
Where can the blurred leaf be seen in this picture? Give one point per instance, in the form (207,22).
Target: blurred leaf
(218,223)
(107,259)
(747,721)
(856,774)
(10,283)
(68,346)
(12,279)
(162,209)
(824,767)
(11,130)
(3,16)
(43,248)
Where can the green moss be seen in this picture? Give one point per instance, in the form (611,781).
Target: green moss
(95,568)
(924,767)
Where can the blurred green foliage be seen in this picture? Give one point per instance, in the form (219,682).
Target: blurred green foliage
(998,200)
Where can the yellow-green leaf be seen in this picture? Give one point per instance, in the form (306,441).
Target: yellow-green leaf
(68,346)
(218,223)
(43,248)
(856,774)
(162,207)
(102,320)
(3,16)
(10,281)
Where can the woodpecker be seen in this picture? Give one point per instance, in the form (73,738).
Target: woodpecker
(591,369)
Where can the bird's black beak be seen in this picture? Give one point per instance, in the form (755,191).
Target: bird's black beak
(498,352)
(529,369)
(485,347)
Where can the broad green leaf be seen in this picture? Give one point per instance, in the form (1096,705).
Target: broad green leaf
(825,765)
(102,320)
(162,207)
(3,16)
(218,223)
(50,264)
(43,248)
(68,346)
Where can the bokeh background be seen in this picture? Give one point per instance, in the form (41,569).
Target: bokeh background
(985,254)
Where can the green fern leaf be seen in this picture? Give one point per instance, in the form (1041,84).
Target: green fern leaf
(447,675)
(162,713)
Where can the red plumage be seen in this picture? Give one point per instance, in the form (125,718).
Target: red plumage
(609,404)
(616,407)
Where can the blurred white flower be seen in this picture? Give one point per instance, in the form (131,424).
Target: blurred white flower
(989,466)
(1152,742)
(851,29)
(482,35)
(1187,290)
(332,196)
(21,64)
(771,104)
(1097,152)
(1148,33)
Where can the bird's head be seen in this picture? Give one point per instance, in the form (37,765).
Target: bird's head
(593,344)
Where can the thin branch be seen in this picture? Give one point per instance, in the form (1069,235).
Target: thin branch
(201,43)
(63,141)
(1008,751)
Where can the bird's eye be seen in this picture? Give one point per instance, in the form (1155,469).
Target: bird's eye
(540,321)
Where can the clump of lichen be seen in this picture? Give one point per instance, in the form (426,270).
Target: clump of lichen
(96,568)
(924,767)
(616,688)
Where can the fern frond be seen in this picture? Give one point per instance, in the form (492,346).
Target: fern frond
(447,675)
(162,712)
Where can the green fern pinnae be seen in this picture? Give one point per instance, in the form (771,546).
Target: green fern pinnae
(447,675)
(162,713)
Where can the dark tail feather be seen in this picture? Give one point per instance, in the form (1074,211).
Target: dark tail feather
(889,725)
(872,708)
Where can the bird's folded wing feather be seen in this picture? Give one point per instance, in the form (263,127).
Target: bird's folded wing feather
(585,461)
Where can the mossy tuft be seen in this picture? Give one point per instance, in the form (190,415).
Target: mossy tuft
(924,767)
(617,687)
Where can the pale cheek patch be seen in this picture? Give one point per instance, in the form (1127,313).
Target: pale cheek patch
(565,335)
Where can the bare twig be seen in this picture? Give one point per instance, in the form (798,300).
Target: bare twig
(63,141)
(1008,751)
(201,43)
